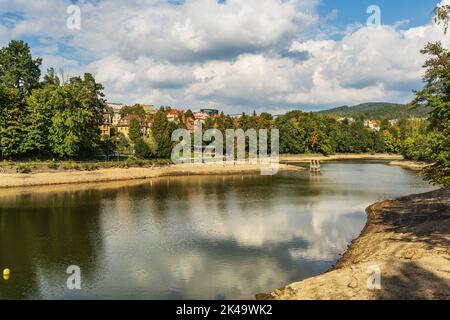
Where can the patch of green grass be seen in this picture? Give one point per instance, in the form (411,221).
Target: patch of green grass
(27,166)
(7,163)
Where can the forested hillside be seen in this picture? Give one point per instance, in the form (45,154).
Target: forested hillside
(378,110)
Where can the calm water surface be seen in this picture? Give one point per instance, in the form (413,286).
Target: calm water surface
(214,237)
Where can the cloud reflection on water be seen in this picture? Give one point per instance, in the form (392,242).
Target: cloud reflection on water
(192,237)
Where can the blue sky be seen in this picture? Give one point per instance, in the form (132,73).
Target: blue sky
(354,11)
(237,55)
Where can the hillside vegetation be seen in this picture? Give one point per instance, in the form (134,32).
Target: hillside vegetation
(377,110)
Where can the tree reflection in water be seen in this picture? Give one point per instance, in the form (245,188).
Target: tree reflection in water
(214,237)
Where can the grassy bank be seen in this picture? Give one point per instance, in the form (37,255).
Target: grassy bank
(116,173)
(33,173)
(9,167)
(36,166)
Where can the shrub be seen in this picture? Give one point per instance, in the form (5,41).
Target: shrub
(53,165)
(23,168)
(142,149)
(74,165)
(90,166)
(133,161)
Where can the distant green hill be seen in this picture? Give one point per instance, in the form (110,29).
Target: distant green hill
(377,110)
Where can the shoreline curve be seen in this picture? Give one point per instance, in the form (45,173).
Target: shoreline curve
(406,239)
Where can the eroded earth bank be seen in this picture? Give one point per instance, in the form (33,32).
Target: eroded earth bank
(408,239)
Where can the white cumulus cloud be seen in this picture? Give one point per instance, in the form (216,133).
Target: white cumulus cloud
(239,55)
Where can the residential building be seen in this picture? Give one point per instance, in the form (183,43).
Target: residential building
(174,115)
(199,119)
(114,109)
(346,120)
(149,109)
(112,118)
(124,124)
(210,112)
(105,128)
(393,122)
(373,125)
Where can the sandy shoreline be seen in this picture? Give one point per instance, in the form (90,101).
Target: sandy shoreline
(14,180)
(59,177)
(408,239)
(395,160)
(412,165)
(305,158)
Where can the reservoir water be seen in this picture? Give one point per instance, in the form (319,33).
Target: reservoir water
(206,237)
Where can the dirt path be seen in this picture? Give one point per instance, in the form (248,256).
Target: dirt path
(408,239)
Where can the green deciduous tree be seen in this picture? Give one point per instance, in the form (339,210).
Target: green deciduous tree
(189,114)
(19,75)
(39,114)
(74,132)
(18,69)
(436,94)
(142,149)
(135,132)
(135,110)
(162,135)
(11,121)
(292,137)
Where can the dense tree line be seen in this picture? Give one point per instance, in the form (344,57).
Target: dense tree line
(50,118)
(46,118)
(436,95)
(317,133)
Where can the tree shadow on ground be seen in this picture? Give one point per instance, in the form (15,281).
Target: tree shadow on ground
(417,223)
(421,219)
(409,281)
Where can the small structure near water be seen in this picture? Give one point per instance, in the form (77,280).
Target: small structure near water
(314,165)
